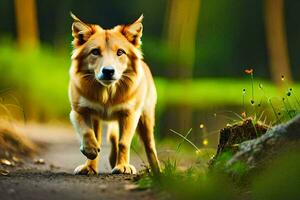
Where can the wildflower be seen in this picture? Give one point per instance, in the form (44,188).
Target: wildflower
(205,142)
(249,71)
(201,126)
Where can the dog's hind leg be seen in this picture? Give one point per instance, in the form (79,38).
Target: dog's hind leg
(146,132)
(113,137)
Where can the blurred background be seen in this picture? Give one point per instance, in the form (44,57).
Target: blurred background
(197,50)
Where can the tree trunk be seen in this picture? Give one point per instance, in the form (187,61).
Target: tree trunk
(276,41)
(181,29)
(26,20)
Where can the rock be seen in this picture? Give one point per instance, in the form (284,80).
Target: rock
(257,152)
(39,161)
(6,162)
(131,187)
(4,172)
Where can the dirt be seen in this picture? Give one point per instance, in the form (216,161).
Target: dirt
(49,175)
(13,143)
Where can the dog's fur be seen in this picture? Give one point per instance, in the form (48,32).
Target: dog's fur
(116,107)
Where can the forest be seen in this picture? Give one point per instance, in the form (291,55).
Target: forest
(227,118)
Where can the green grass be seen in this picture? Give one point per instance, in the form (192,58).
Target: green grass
(279,180)
(205,92)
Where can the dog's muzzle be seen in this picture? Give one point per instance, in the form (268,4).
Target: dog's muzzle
(106,74)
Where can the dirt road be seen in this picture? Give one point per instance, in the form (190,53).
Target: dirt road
(55,179)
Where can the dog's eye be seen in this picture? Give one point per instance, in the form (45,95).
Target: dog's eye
(95,52)
(120,52)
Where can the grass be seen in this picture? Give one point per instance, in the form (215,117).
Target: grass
(278,181)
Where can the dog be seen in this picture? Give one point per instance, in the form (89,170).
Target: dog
(112,92)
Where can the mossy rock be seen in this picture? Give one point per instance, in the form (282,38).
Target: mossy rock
(258,152)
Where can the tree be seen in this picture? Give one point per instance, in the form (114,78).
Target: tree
(181,29)
(26,21)
(276,41)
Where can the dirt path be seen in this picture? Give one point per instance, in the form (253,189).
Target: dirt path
(55,179)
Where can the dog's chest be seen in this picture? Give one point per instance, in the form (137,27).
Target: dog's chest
(105,112)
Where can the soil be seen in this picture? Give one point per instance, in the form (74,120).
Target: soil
(49,174)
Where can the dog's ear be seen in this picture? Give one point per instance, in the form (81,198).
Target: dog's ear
(81,31)
(133,32)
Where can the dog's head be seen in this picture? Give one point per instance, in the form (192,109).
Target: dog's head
(107,56)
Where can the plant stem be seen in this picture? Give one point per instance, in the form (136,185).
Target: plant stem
(180,135)
(274,110)
(286,108)
(252,86)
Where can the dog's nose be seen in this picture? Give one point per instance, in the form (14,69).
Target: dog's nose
(108,72)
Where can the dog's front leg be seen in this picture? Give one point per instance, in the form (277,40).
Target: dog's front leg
(89,145)
(127,126)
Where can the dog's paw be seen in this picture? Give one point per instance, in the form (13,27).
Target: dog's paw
(85,170)
(124,169)
(91,152)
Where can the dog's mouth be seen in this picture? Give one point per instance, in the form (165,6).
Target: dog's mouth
(107,82)
(106,79)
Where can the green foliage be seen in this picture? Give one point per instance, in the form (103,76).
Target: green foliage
(189,184)
(40,76)
(286,107)
(280,180)
(170,168)
(236,171)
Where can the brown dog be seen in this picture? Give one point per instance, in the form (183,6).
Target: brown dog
(111,91)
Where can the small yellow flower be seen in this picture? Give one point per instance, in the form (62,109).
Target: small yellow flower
(201,126)
(205,142)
